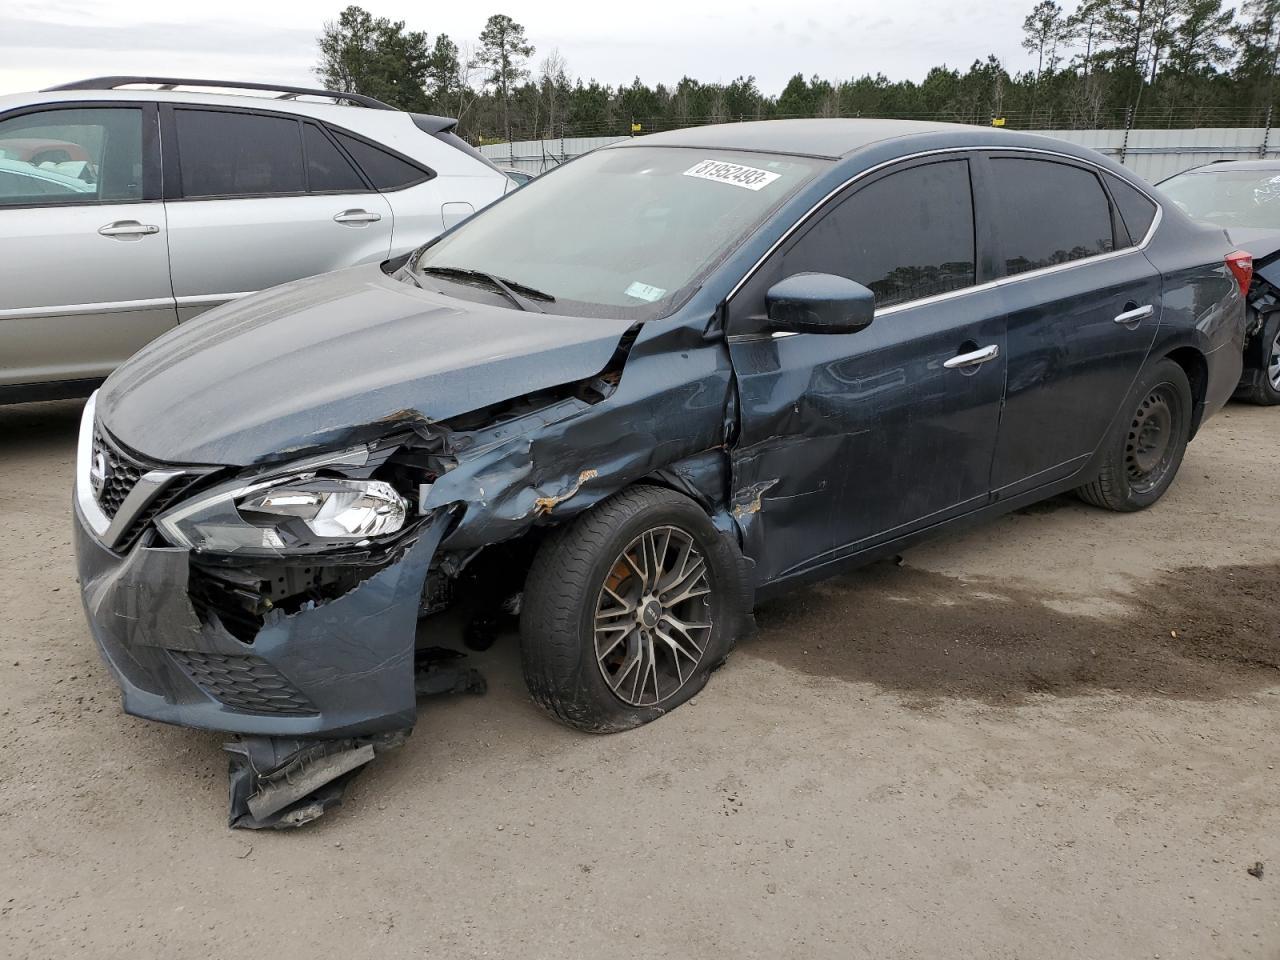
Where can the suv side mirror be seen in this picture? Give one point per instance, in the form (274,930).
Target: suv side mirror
(819,303)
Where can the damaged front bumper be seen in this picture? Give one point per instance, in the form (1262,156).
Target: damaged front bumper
(339,668)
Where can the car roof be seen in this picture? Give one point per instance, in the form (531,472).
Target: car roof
(314,108)
(836,138)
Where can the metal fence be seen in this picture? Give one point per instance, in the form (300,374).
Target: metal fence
(1151,154)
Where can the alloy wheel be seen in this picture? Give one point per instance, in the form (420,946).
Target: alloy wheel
(653,617)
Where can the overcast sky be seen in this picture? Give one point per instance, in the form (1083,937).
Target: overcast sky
(53,41)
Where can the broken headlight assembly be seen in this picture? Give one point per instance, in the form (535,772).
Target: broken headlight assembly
(301,509)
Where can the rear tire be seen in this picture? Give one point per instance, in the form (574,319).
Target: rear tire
(608,638)
(1144,451)
(1261,383)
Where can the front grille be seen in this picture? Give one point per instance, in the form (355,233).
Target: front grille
(244,683)
(122,472)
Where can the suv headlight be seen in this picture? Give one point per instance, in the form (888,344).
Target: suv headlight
(297,511)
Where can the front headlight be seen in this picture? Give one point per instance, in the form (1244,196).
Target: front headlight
(331,508)
(297,511)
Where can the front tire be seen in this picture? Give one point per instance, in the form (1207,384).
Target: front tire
(1143,453)
(628,609)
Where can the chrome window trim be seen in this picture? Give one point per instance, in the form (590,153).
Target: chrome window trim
(986,285)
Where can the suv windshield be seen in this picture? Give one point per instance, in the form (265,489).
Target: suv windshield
(1231,198)
(617,233)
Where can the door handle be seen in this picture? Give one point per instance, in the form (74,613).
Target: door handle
(128,229)
(356,217)
(1135,315)
(973,359)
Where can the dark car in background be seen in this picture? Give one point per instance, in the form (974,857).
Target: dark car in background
(1243,196)
(788,348)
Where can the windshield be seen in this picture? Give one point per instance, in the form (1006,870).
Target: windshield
(1231,198)
(625,233)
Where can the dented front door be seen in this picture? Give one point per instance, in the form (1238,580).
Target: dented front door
(846,441)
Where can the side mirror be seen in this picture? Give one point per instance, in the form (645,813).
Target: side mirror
(819,303)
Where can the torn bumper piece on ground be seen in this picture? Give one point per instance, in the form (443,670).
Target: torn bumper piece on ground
(280,783)
(284,782)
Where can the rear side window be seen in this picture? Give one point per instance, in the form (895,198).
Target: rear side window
(1136,209)
(238,154)
(71,156)
(328,170)
(387,171)
(455,141)
(906,236)
(1049,213)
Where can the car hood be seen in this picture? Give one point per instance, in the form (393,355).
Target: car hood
(327,360)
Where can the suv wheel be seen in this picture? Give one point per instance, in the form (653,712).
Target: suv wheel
(628,609)
(1144,452)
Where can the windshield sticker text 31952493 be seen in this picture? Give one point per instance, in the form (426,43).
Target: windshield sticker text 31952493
(732,173)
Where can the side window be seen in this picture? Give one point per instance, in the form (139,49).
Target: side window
(906,236)
(224,154)
(1049,213)
(327,169)
(387,171)
(71,156)
(1136,209)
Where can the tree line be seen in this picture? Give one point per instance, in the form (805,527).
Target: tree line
(1105,63)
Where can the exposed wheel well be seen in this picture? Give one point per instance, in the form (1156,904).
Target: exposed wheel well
(1196,368)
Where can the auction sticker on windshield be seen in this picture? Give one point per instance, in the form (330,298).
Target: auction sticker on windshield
(734,174)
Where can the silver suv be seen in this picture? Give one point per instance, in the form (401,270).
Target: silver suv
(131,204)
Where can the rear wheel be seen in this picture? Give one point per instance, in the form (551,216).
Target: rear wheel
(1262,382)
(628,609)
(1144,452)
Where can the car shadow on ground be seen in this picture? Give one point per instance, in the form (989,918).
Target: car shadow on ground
(30,429)
(1194,633)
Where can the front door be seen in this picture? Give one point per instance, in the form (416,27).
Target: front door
(849,440)
(260,199)
(83,241)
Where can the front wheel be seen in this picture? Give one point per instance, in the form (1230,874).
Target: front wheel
(1144,452)
(628,609)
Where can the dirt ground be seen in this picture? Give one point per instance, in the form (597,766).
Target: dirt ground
(1057,736)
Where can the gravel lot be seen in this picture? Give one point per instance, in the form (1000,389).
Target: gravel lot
(998,749)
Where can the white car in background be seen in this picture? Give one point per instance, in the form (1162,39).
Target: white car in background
(131,204)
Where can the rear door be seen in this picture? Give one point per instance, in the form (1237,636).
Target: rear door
(84,267)
(1083,304)
(256,199)
(850,440)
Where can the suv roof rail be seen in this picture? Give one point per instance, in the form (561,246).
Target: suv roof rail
(168,83)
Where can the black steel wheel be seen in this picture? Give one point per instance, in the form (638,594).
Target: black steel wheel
(1142,456)
(1152,440)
